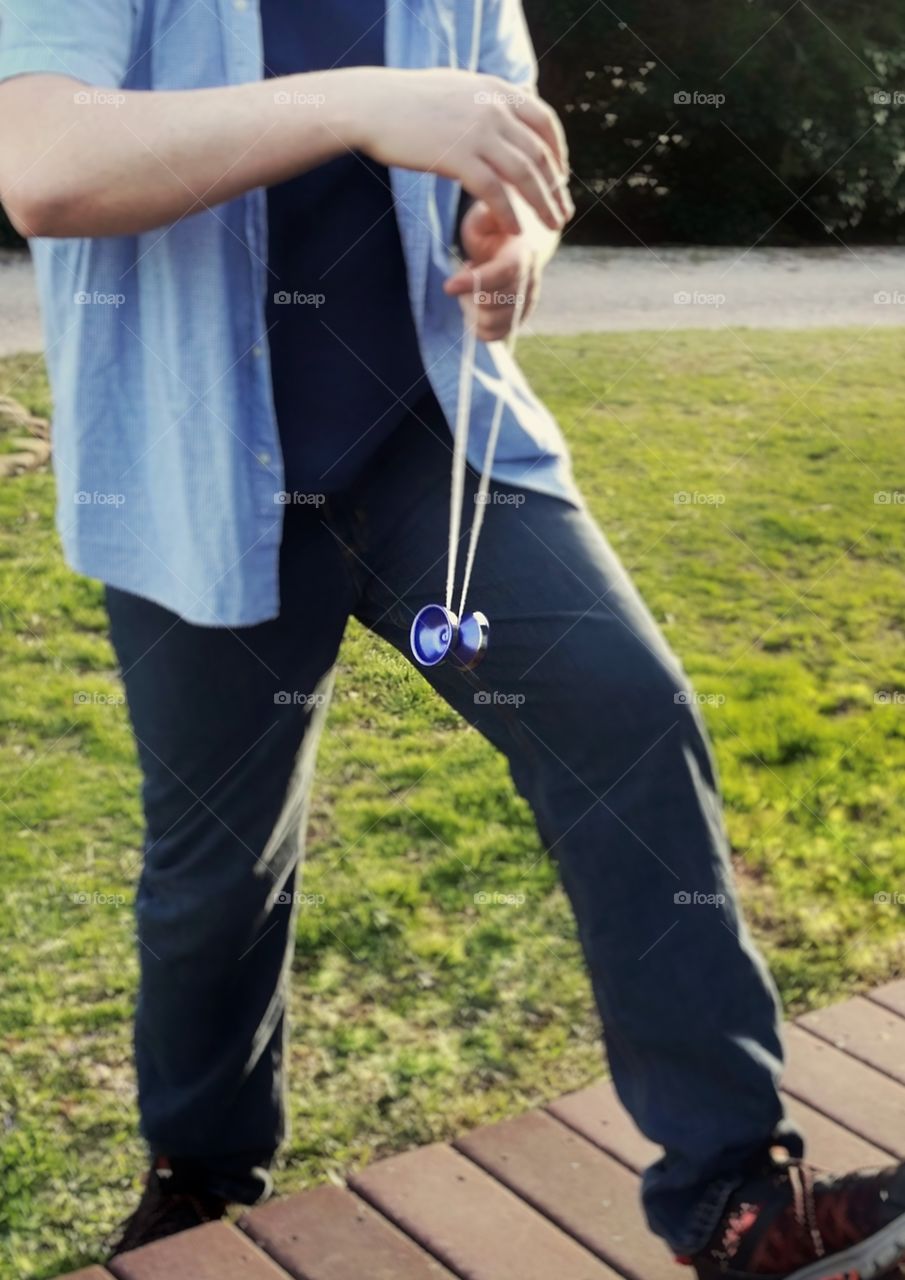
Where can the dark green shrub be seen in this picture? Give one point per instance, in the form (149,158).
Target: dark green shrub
(798,146)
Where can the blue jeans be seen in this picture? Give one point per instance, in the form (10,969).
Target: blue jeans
(604,743)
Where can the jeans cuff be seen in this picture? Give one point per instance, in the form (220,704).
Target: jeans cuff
(712,1204)
(707,1214)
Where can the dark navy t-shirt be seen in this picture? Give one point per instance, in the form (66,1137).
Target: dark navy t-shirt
(342,338)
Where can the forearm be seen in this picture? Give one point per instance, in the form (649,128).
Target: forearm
(127,162)
(86,162)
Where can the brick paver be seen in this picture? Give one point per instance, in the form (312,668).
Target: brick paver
(88,1273)
(477,1226)
(216,1251)
(829,1145)
(865,1030)
(854,1095)
(552,1193)
(577,1186)
(596,1113)
(891,996)
(331,1234)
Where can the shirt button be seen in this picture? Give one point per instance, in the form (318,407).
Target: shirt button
(263,457)
(240,5)
(257,352)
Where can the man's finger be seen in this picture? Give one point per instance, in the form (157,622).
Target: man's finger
(492,277)
(546,161)
(516,169)
(541,117)
(462,282)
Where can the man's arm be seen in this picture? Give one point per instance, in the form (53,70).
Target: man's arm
(146,159)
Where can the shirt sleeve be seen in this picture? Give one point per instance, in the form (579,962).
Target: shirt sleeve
(506,48)
(87,40)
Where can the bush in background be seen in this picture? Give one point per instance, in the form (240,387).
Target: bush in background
(697,121)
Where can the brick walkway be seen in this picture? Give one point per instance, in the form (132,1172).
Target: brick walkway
(550,1195)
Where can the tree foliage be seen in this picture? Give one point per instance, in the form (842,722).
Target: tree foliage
(701,121)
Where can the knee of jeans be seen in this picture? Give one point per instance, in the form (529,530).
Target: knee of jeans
(618,710)
(625,682)
(214,913)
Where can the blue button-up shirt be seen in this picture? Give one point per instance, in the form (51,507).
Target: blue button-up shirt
(166,448)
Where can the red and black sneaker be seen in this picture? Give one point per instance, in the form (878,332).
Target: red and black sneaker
(794,1221)
(171,1202)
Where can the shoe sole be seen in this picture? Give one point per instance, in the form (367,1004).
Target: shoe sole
(872,1258)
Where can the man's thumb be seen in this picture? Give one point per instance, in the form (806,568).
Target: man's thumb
(466,280)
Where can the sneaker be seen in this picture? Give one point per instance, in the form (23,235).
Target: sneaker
(170,1203)
(793,1221)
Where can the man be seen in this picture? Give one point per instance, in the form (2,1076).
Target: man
(242,215)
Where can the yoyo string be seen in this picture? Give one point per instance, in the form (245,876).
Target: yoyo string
(460,442)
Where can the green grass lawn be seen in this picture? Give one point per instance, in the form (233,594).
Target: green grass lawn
(781,583)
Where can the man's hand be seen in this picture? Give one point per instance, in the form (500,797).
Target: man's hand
(493,137)
(499,283)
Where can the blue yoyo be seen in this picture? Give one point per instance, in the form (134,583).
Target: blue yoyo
(438,636)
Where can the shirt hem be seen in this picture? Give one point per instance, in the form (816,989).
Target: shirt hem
(92,560)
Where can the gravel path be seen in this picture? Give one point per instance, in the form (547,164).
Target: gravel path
(20,326)
(591,289)
(599,289)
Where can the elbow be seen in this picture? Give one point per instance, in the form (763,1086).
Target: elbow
(17,211)
(39,210)
(32,214)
